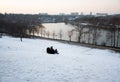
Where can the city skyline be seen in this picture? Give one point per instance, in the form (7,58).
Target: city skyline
(59,6)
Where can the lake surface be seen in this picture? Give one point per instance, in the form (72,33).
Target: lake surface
(59,29)
(62,30)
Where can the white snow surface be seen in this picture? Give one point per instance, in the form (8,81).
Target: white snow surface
(28,61)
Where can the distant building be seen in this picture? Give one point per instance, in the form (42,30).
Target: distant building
(61,13)
(101,14)
(75,13)
(81,13)
(90,13)
(43,13)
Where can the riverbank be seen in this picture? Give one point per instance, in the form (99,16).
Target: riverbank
(82,44)
(116,49)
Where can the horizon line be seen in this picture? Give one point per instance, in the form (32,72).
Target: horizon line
(79,13)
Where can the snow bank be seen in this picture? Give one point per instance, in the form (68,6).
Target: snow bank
(28,61)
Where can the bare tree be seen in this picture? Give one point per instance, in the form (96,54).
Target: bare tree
(60,34)
(48,33)
(70,33)
(79,29)
(111,37)
(44,32)
(41,30)
(89,33)
(53,34)
(95,25)
(118,36)
(95,35)
(0,35)
(115,22)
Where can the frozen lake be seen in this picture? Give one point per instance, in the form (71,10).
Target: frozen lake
(62,30)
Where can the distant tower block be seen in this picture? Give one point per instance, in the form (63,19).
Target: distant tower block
(81,13)
(101,14)
(90,13)
(74,13)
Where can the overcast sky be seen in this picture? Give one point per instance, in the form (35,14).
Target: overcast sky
(59,6)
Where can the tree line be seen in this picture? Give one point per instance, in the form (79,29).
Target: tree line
(19,24)
(94,25)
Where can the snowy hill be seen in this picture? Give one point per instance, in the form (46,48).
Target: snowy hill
(28,61)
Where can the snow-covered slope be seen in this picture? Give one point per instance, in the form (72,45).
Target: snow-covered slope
(28,61)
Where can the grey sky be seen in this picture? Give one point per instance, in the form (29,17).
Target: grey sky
(59,6)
